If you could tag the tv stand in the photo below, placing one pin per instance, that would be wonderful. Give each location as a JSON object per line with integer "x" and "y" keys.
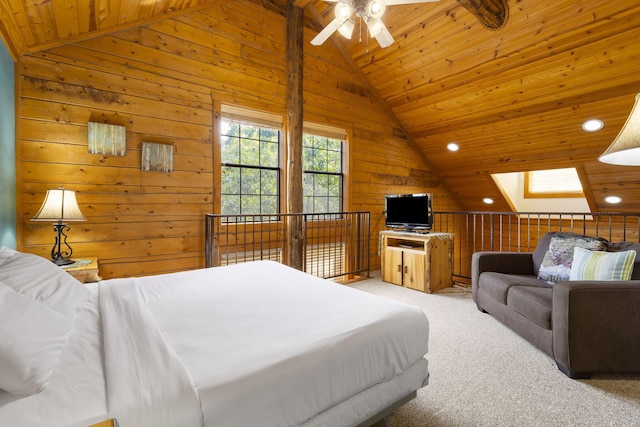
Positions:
{"x": 417, "y": 261}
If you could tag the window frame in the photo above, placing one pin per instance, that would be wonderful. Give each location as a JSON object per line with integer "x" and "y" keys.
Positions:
{"x": 339, "y": 135}
{"x": 261, "y": 120}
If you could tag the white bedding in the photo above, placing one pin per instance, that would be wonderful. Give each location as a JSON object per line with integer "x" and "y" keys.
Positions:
{"x": 243, "y": 345}
{"x": 75, "y": 395}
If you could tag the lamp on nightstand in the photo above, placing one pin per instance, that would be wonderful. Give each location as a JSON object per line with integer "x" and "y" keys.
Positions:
{"x": 60, "y": 206}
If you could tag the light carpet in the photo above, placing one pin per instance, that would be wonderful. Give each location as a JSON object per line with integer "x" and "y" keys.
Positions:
{"x": 483, "y": 374}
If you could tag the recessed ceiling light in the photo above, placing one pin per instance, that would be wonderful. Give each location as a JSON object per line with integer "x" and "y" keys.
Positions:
{"x": 613, "y": 199}
{"x": 488, "y": 200}
{"x": 592, "y": 125}
{"x": 452, "y": 146}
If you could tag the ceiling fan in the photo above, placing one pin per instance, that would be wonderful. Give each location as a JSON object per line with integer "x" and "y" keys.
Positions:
{"x": 369, "y": 11}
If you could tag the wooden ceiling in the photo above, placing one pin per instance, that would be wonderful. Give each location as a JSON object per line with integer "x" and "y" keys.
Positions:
{"x": 513, "y": 98}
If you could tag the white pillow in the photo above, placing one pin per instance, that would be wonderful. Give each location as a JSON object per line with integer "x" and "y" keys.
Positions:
{"x": 43, "y": 281}
{"x": 5, "y": 254}
{"x": 38, "y": 305}
{"x": 32, "y": 336}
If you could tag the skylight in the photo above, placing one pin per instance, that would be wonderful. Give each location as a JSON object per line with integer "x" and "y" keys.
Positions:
{"x": 552, "y": 191}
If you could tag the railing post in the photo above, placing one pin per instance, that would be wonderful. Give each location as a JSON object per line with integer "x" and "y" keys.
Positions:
{"x": 491, "y": 230}
{"x": 208, "y": 243}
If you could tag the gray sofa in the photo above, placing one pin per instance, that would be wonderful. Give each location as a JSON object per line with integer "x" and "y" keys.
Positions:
{"x": 586, "y": 326}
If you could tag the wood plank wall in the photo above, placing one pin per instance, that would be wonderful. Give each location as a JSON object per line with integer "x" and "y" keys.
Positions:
{"x": 161, "y": 81}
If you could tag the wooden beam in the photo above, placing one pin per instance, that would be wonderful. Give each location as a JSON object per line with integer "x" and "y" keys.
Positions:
{"x": 301, "y": 3}
{"x": 294, "y": 106}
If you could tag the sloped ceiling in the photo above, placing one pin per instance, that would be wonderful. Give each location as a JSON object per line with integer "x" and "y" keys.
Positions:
{"x": 514, "y": 98}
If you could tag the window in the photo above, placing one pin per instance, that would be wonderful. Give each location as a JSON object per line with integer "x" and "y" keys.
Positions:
{"x": 322, "y": 174}
{"x": 250, "y": 165}
{"x": 552, "y": 183}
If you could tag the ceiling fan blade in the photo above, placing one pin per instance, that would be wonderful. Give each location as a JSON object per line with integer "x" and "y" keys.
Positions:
{"x": 384, "y": 37}
{"x": 394, "y": 2}
{"x": 328, "y": 30}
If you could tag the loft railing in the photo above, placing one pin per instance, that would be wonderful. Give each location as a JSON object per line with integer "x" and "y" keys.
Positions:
{"x": 520, "y": 231}
{"x": 334, "y": 244}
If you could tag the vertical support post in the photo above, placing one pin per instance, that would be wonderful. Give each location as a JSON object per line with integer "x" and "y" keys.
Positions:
{"x": 294, "y": 100}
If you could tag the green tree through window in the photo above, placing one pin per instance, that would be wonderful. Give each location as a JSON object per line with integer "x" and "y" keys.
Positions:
{"x": 322, "y": 177}
{"x": 250, "y": 172}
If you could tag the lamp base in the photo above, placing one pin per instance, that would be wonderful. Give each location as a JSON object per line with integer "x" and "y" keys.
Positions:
{"x": 62, "y": 261}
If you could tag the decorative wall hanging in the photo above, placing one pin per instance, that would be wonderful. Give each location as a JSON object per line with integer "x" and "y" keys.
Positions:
{"x": 107, "y": 139}
{"x": 492, "y": 14}
{"x": 157, "y": 157}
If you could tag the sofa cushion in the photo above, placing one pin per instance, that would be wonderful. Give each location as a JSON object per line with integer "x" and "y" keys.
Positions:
{"x": 497, "y": 285}
{"x": 543, "y": 246}
{"x": 556, "y": 265}
{"x": 628, "y": 246}
{"x": 533, "y": 302}
{"x": 599, "y": 265}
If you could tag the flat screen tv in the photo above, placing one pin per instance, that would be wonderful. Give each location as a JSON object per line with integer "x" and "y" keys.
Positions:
{"x": 408, "y": 211}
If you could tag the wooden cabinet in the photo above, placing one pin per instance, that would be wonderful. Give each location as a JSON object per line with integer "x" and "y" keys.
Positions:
{"x": 417, "y": 261}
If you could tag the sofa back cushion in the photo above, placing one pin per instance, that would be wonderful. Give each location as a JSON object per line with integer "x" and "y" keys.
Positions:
{"x": 628, "y": 246}
{"x": 542, "y": 248}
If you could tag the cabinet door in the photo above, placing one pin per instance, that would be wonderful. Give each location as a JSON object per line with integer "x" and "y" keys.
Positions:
{"x": 414, "y": 271}
{"x": 392, "y": 268}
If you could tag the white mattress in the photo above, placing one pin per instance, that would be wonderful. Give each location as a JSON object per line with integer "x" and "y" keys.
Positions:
{"x": 259, "y": 344}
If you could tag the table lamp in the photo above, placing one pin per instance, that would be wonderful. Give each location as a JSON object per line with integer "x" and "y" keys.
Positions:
{"x": 60, "y": 206}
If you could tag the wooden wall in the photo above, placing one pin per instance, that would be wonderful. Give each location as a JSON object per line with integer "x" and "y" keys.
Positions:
{"x": 164, "y": 82}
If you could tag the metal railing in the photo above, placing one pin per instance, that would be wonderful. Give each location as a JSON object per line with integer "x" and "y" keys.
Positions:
{"x": 334, "y": 244}
{"x": 521, "y": 231}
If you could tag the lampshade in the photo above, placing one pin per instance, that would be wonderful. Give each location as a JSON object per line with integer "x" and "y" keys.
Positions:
{"x": 59, "y": 205}
{"x": 625, "y": 148}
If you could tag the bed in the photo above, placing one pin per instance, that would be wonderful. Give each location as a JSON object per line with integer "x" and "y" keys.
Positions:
{"x": 243, "y": 345}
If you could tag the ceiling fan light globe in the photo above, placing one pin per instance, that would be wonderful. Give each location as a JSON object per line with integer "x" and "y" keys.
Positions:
{"x": 343, "y": 10}
{"x": 375, "y": 8}
{"x": 375, "y": 26}
{"x": 346, "y": 29}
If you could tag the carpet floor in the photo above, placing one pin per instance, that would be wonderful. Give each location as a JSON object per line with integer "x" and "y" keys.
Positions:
{"x": 483, "y": 374}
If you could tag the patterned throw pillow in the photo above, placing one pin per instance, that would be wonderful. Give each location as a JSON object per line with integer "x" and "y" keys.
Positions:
{"x": 556, "y": 265}
{"x": 597, "y": 265}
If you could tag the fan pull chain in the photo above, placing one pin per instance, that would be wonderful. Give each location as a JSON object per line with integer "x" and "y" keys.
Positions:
{"x": 366, "y": 51}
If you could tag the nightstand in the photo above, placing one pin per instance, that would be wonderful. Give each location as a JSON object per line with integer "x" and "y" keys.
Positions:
{"x": 85, "y": 270}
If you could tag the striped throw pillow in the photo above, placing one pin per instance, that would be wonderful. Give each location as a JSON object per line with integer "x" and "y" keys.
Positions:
{"x": 598, "y": 265}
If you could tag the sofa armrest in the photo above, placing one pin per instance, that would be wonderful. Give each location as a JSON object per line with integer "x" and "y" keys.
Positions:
{"x": 596, "y": 327}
